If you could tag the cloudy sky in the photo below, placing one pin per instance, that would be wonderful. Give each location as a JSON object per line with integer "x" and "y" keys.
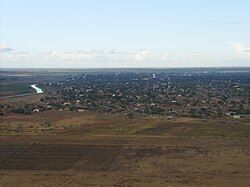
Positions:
{"x": 124, "y": 33}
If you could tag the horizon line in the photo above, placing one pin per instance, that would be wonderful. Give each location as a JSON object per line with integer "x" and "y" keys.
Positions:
{"x": 189, "y": 67}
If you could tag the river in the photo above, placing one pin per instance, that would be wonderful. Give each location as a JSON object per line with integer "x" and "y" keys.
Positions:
{"x": 38, "y": 90}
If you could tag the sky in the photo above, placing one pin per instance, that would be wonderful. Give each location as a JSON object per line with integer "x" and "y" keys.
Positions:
{"x": 124, "y": 33}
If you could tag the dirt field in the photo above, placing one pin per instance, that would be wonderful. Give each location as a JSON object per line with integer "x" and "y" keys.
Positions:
{"x": 60, "y": 148}
{"x": 58, "y": 157}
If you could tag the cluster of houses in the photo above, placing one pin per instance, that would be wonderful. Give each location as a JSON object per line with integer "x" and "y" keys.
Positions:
{"x": 198, "y": 95}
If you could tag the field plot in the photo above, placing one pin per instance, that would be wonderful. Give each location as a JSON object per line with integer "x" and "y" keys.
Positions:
{"x": 10, "y": 89}
{"x": 60, "y": 157}
{"x": 218, "y": 163}
{"x": 8, "y": 151}
{"x": 185, "y": 162}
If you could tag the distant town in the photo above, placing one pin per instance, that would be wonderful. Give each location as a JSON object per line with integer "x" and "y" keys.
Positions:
{"x": 198, "y": 94}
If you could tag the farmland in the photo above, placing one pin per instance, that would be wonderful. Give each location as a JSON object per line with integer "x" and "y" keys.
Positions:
{"x": 15, "y": 89}
{"x": 91, "y": 149}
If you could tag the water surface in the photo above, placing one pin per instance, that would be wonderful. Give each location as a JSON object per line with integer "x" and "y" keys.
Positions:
{"x": 38, "y": 90}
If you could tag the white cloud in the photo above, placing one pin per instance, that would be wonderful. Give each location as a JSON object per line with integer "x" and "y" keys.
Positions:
{"x": 144, "y": 56}
{"x": 80, "y": 56}
{"x": 15, "y": 57}
{"x": 193, "y": 55}
{"x": 95, "y": 55}
{"x": 5, "y": 48}
{"x": 241, "y": 51}
{"x": 50, "y": 52}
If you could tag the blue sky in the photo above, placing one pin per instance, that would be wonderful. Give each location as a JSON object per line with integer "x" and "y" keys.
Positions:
{"x": 124, "y": 33}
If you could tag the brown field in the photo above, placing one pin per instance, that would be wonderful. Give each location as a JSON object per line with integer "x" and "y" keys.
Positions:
{"x": 58, "y": 157}
{"x": 62, "y": 148}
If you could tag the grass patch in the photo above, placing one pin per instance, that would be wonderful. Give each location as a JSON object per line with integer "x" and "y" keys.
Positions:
{"x": 15, "y": 89}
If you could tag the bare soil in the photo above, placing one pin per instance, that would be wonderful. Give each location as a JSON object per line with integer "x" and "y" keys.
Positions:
{"x": 56, "y": 148}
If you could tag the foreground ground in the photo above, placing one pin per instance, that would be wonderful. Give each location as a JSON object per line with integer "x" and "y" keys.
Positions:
{"x": 61, "y": 148}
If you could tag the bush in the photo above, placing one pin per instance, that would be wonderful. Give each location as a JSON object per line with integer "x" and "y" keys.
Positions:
{"x": 18, "y": 110}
